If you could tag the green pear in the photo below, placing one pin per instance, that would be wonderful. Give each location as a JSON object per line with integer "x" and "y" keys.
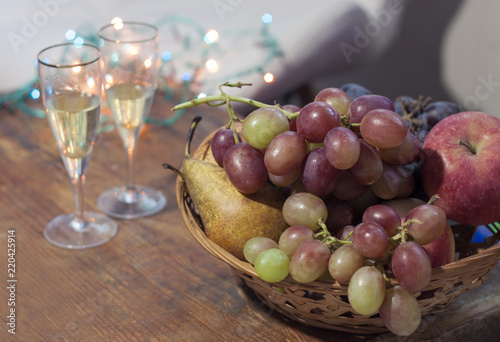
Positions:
{"x": 229, "y": 217}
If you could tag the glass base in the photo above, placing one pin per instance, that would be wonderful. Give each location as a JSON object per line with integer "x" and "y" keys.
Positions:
{"x": 127, "y": 203}
{"x": 64, "y": 231}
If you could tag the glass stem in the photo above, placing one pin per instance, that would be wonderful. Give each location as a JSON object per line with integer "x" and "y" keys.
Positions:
{"x": 80, "y": 220}
{"x": 130, "y": 176}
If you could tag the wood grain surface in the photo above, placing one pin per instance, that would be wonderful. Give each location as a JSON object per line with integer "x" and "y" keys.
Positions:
{"x": 152, "y": 282}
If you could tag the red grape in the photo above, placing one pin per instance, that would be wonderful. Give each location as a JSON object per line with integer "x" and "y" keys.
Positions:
{"x": 336, "y": 98}
{"x": 369, "y": 166}
{"x": 432, "y": 223}
{"x": 365, "y": 103}
{"x": 304, "y": 209}
{"x": 383, "y": 128}
{"x": 411, "y": 266}
{"x": 255, "y": 245}
{"x": 400, "y": 311}
{"x": 340, "y": 214}
{"x": 387, "y": 186}
{"x": 406, "y": 153}
{"x": 309, "y": 261}
{"x": 316, "y": 119}
{"x": 342, "y": 148}
{"x": 344, "y": 262}
{"x": 285, "y": 153}
{"x": 318, "y": 176}
{"x": 385, "y": 216}
{"x": 221, "y": 141}
{"x": 285, "y": 180}
{"x": 293, "y": 237}
{"x": 348, "y": 188}
{"x": 245, "y": 168}
{"x": 370, "y": 239}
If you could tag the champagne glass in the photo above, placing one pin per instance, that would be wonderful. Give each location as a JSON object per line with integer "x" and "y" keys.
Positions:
{"x": 71, "y": 88}
{"x": 130, "y": 65}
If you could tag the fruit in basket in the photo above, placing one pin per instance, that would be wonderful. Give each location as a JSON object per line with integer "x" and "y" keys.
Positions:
{"x": 272, "y": 265}
{"x": 400, "y": 311}
{"x": 230, "y": 218}
{"x": 255, "y": 246}
{"x": 411, "y": 266}
{"x": 262, "y": 125}
{"x": 461, "y": 163}
{"x": 442, "y": 250}
{"x": 374, "y": 241}
{"x": 366, "y": 290}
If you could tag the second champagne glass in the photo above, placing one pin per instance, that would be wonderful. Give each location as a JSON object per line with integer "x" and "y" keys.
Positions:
{"x": 130, "y": 56}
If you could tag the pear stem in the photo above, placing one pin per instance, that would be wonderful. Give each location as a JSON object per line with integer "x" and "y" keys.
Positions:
{"x": 194, "y": 123}
{"x": 170, "y": 167}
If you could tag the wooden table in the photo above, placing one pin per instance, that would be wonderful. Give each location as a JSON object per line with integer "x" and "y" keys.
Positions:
{"x": 152, "y": 282}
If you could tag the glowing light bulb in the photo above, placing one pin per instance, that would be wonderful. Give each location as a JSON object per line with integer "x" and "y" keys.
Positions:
{"x": 212, "y": 66}
{"x": 117, "y": 23}
{"x": 108, "y": 78}
{"x": 211, "y": 37}
{"x": 186, "y": 76}
{"x": 166, "y": 55}
{"x": 35, "y": 93}
{"x": 79, "y": 41}
{"x": 70, "y": 34}
{"x": 268, "y": 77}
{"x": 133, "y": 50}
{"x": 148, "y": 63}
{"x": 267, "y": 18}
{"x": 91, "y": 82}
{"x": 76, "y": 69}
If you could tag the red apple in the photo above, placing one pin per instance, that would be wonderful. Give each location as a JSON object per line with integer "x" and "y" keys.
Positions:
{"x": 460, "y": 162}
{"x": 442, "y": 250}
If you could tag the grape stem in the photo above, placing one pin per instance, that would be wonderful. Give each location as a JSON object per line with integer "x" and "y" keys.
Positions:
{"x": 224, "y": 98}
{"x": 327, "y": 238}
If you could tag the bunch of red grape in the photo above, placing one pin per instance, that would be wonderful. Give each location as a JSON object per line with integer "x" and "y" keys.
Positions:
{"x": 362, "y": 256}
{"x": 336, "y": 158}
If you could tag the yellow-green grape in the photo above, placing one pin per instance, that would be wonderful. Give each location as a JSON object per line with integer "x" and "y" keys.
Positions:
{"x": 272, "y": 265}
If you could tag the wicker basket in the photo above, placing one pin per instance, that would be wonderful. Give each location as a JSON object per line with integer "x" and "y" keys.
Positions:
{"x": 324, "y": 304}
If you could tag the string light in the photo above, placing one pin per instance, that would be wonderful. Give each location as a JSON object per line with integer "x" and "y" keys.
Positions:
{"x": 35, "y": 94}
{"x": 186, "y": 76}
{"x": 70, "y": 34}
{"x": 212, "y": 66}
{"x": 267, "y": 18}
{"x": 189, "y": 77}
{"x": 79, "y": 41}
{"x": 268, "y": 77}
{"x": 166, "y": 55}
{"x": 211, "y": 37}
{"x": 117, "y": 23}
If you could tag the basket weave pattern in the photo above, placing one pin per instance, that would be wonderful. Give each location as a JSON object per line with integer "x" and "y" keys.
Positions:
{"x": 324, "y": 303}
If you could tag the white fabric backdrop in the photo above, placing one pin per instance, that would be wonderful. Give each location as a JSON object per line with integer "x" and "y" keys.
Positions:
{"x": 315, "y": 36}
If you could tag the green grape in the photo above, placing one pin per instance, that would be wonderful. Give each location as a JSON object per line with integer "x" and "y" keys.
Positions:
{"x": 272, "y": 265}
{"x": 366, "y": 290}
{"x": 262, "y": 125}
{"x": 255, "y": 246}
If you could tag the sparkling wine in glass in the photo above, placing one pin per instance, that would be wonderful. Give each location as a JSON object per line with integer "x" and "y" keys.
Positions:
{"x": 130, "y": 68}
{"x": 71, "y": 86}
